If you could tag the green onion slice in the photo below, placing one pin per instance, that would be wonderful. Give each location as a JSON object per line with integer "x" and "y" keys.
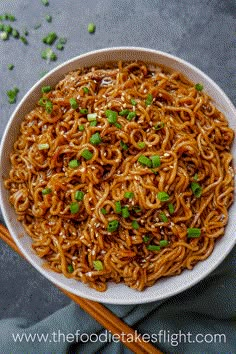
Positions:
{"x": 70, "y": 268}
{"x": 199, "y": 87}
{"x": 103, "y": 211}
{"x": 153, "y": 248}
{"x": 163, "y": 217}
{"x": 124, "y": 112}
{"x": 46, "y": 191}
{"x": 87, "y": 154}
{"x": 79, "y": 195}
{"x": 196, "y": 189}
{"x": 171, "y": 208}
{"x": 113, "y": 225}
{"x": 149, "y": 99}
{"x": 141, "y": 144}
{"x": 135, "y": 225}
{"x": 159, "y": 125}
{"x": 156, "y": 161}
{"x": 73, "y": 103}
{"x": 163, "y": 196}
{"x": 163, "y": 243}
{"x": 98, "y": 265}
{"x": 193, "y": 232}
{"x": 125, "y": 212}
{"x": 124, "y": 146}
{"x": 111, "y": 116}
{"x": 46, "y": 89}
{"x": 83, "y": 111}
{"x": 131, "y": 115}
{"x": 146, "y": 238}
{"x": 144, "y": 160}
{"x": 129, "y": 195}
{"x": 91, "y": 116}
{"x": 74, "y": 208}
{"x": 95, "y": 139}
{"x": 118, "y": 207}
{"x": 43, "y": 146}
{"x": 133, "y": 102}
{"x": 91, "y": 27}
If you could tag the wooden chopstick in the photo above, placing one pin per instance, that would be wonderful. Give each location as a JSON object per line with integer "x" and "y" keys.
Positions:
{"x": 100, "y": 313}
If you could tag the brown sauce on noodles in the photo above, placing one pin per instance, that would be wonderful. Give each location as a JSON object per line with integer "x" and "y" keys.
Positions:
{"x": 129, "y": 181}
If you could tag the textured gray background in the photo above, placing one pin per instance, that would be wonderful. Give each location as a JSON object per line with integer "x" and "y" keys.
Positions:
{"x": 201, "y": 32}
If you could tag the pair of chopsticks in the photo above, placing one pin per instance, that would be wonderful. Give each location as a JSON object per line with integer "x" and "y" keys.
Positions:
{"x": 100, "y": 313}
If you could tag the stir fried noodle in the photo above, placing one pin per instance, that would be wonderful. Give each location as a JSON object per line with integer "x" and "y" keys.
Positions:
{"x": 123, "y": 173}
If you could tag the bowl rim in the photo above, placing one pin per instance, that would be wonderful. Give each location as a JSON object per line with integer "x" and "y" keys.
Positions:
{"x": 50, "y": 275}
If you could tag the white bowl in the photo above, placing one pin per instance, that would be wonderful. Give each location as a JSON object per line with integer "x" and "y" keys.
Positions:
{"x": 116, "y": 293}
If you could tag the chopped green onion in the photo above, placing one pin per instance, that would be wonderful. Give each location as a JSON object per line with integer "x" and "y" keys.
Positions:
{"x": 83, "y": 111}
{"x": 37, "y": 26}
{"x": 91, "y": 116}
{"x": 4, "y": 36}
{"x": 81, "y": 127}
{"x": 159, "y": 125}
{"x": 95, "y": 139}
{"x": 43, "y": 101}
{"x": 111, "y": 116}
{"x": 48, "y": 18}
{"x": 131, "y": 115}
{"x": 85, "y": 89}
{"x": 144, "y": 160}
{"x": 153, "y": 248}
{"x": 74, "y": 208}
{"x": 26, "y": 33}
{"x": 15, "y": 33}
{"x": 43, "y": 146}
{"x": 46, "y": 89}
{"x": 171, "y": 208}
{"x": 125, "y": 212}
{"x": 193, "y": 232}
{"x": 10, "y": 66}
{"x": 156, "y": 161}
{"x": 163, "y": 196}
{"x": 129, "y": 195}
{"x": 125, "y": 112}
{"x": 146, "y": 238}
{"x": 60, "y": 46}
{"x": 163, "y": 217}
{"x": 118, "y": 207}
{"x": 49, "y": 107}
{"x": 163, "y": 243}
{"x": 196, "y": 189}
{"x": 23, "y": 40}
{"x": 70, "y": 268}
{"x": 87, "y": 154}
{"x": 118, "y": 125}
{"x": 137, "y": 209}
{"x": 73, "y": 103}
{"x": 91, "y": 27}
{"x": 9, "y": 17}
{"x": 199, "y": 87}
{"x": 1, "y": 26}
{"x": 62, "y": 40}
{"x": 113, "y": 225}
{"x": 149, "y": 99}
{"x": 123, "y": 145}
{"x": 79, "y": 195}
{"x": 12, "y": 95}
{"x": 74, "y": 163}
{"x": 50, "y": 38}
{"x": 141, "y": 144}
{"x": 45, "y": 2}
{"x": 195, "y": 177}
{"x": 46, "y": 191}
{"x": 103, "y": 211}
{"x": 7, "y": 28}
{"x": 133, "y": 102}
{"x": 93, "y": 123}
{"x": 98, "y": 265}
{"x": 135, "y": 225}
{"x": 48, "y": 54}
